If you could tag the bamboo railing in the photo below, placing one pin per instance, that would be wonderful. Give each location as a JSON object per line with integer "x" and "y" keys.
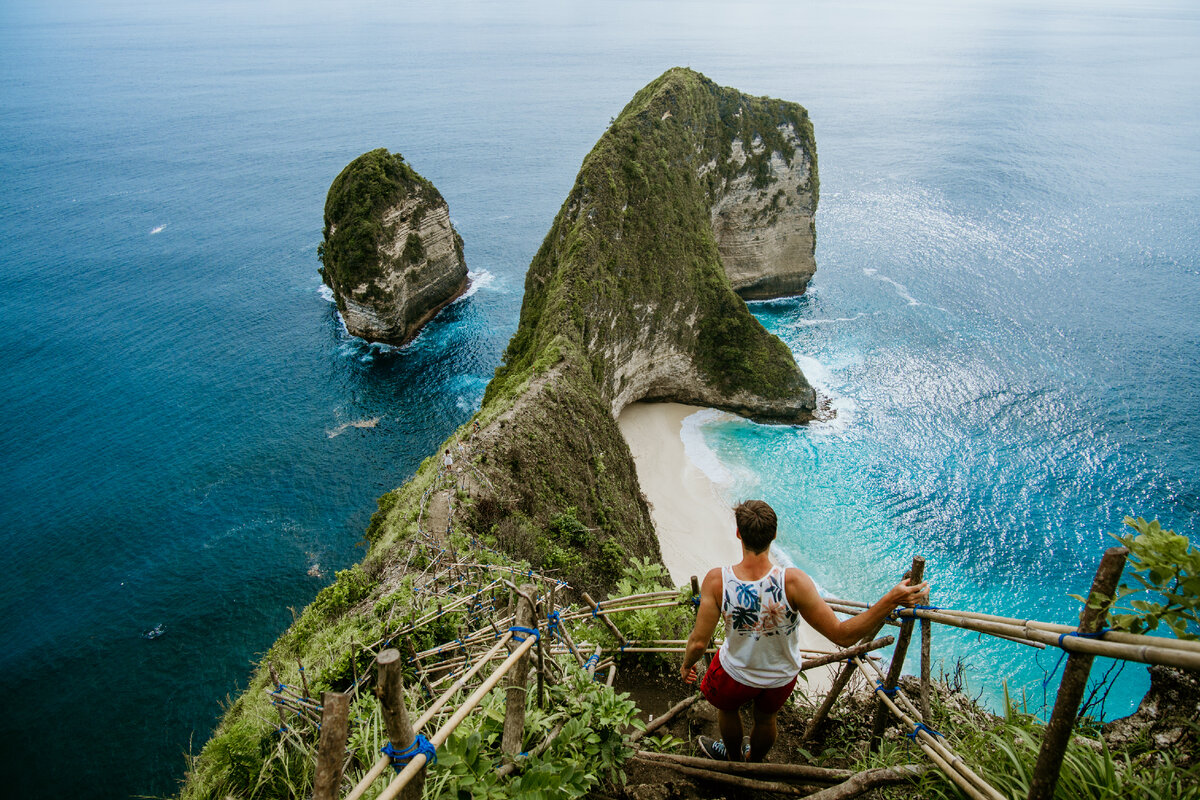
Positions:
{"x": 505, "y": 623}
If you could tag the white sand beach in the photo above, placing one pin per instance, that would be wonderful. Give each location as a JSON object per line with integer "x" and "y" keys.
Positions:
{"x": 695, "y": 526}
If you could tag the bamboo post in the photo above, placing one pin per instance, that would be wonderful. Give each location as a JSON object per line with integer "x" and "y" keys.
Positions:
{"x": 926, "y": 646}
{"x": 587, "y": 598}
{"x": 541, "y": 662}
{"x": 303, "y": 678}
{"x": 1075, "y": 675}
{"x": 514, "y": 714}
{"x": 849, "y": 652}
{"x": 278, "y": 703}
{"x": 439, "y": 738}
{"x": 839, "y": 683}
{"x": 390, "y": 691}
{"x": 412, "y": 656}
{"x": 594, "y": 663}
{"x": 566, "y": 635}
{"x": 893, "y": 675}
{"x": 331, "y": 753}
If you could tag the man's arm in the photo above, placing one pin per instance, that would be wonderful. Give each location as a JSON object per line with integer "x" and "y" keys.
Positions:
{"x": 804, "y": 598}
{"x": 706, "y": 622}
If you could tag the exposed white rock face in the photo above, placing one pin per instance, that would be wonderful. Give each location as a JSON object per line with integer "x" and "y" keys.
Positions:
{"x": 766, "y": 236}
{"x": 666, "y": 373}
{"x": 410, "y": 289}
{"x": 389, "y": 253}
{"x": 415, "y": 289}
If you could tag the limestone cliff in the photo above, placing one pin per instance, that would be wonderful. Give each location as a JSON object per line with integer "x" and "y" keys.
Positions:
{"x": 671, "y": 211}
{"x": 390, "y": 254}
{"x": 763, "y": 221}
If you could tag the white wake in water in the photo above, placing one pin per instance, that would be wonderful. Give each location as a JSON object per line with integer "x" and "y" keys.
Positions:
{"x": 476, "y": 281}
{"x": 697, "y": 450}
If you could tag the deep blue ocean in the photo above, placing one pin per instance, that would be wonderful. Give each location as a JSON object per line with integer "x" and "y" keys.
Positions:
{"x": 1006, "y": 311}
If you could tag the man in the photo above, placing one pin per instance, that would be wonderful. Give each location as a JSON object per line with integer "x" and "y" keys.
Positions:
{"x": 759, "y": 661}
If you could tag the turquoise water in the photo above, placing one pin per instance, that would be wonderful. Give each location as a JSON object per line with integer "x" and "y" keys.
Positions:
{"x": 1005, "y": 310}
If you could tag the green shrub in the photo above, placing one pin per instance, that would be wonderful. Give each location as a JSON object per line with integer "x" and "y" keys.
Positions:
{"x": 1166, "y": 571}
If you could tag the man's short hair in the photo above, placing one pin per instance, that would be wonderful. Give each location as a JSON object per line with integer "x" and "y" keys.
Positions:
{"x": 756, "y": 523}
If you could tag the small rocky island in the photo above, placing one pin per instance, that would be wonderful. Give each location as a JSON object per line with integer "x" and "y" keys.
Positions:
{"x": 390, "y": 253}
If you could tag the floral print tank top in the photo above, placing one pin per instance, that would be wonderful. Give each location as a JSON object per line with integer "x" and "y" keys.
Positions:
{"x": 760, "y": 648}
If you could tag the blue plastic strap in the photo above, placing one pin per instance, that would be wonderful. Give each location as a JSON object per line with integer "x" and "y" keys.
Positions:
{"x": 591, "y": 661}
{"x": 927, "y": 608}
{"x": 420, "y": 746}
{"x": 1063, "y": 655}
{"x": 879, "y": 687}
{"x": 696, "y": 601}
{"x": 534, "y": 632}
{"x": 921, "y": 726}
{"x": 596, "y": 611}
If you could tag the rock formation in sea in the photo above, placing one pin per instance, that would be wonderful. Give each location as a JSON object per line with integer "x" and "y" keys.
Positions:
{"x": 390, "y": 253}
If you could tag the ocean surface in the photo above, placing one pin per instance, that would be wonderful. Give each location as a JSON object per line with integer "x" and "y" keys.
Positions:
{"x": 1006, "y": 312}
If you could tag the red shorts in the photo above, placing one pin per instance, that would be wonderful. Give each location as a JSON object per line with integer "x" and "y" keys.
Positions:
{"x": 727, "y": 694}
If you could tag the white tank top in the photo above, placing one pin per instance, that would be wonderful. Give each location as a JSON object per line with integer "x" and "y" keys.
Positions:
{"x": 759, "y": 649}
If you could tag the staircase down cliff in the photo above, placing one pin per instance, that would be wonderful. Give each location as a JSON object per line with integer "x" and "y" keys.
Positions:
{"x": 390, "y": 254}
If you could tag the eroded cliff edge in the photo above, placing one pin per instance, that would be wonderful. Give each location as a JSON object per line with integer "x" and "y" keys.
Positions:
{"x": 390, "y": 253}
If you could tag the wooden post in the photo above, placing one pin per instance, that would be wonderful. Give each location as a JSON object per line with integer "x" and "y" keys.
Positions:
{"x": 412, "y": 654}
{"x": 595, "y": 663}
{"x": 303, "y": 678}
{"x": 541, "y": 662}
{"x": 1075, "y": 675}
{"x": 835, "y": 689}
{"x": 278, "y": 703}
{"x": 587, "y": 598}
{"x": 331, "y": 753}
{"x": 390, "y": 691}
{"x": 893, "y": 675}
{"x": 926, "y": 646}
{"x": 514, "y": 713}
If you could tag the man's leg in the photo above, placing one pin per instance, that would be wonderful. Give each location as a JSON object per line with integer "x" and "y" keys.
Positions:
{"x": 762, "y": 735}
{"x": 730, "y": 723}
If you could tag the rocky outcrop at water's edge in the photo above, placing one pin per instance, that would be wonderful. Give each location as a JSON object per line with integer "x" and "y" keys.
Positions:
{"x": 390, "y": 253}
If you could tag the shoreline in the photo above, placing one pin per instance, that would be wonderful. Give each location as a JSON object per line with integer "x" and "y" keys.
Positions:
{"x": 694, "y": 525}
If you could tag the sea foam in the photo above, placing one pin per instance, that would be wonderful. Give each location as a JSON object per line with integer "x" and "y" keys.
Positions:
{"x": 698, "y": 452}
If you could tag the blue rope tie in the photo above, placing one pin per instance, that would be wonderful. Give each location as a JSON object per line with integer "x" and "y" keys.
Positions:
{"x": 420, "y": 746}
{"x": 596, "y": 611}
{"x": 879, "y": 687}
{"x": 1063, "y": 655}
{"x": 591, "y": 662}
{"x": 927, "y": 608}
{"x": 552, "y": 620}
{"x": 696, "y": 601}
{"x": 921, "y": 726}
{"x": 534, "y": 632}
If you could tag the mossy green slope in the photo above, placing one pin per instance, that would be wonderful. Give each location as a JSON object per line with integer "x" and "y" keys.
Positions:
{"x": 631, "y": 264}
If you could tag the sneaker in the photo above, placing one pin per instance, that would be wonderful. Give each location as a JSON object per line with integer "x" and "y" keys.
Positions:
{"x": 715, "y": 749}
